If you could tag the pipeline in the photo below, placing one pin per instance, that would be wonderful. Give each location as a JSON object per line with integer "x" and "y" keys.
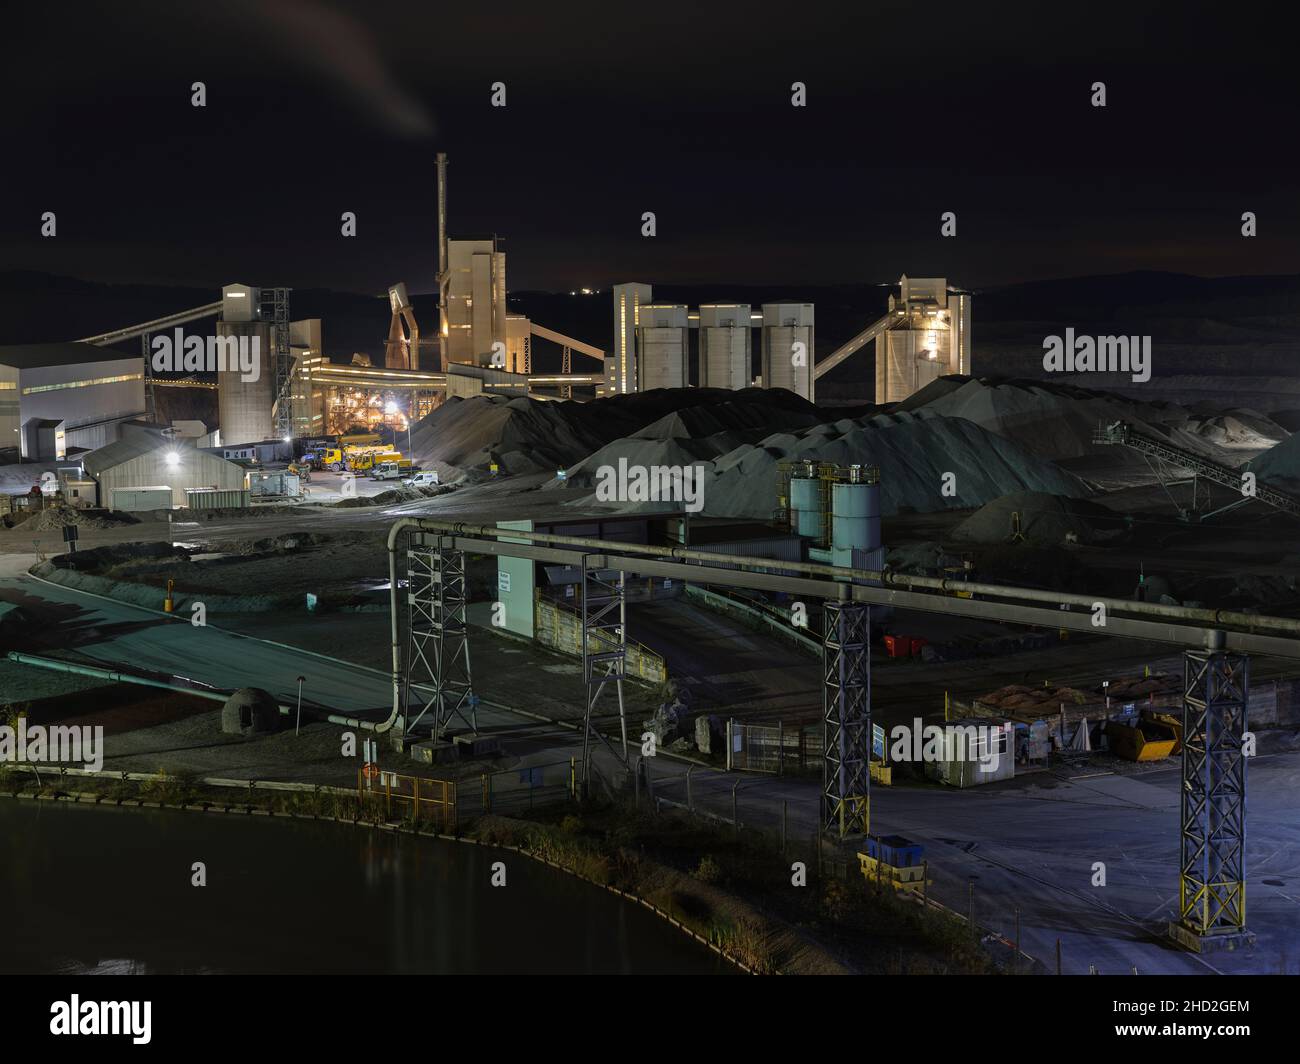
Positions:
{"x": 1214, "y": 618}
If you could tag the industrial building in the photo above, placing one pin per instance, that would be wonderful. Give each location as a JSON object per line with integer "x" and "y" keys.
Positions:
{"x": 143, "y": 471}
{"x": 923, "y": 335}
{"x": 54, "y": 397}
{"x": 620, "y": 368}
{"x": 652, "y": 344}
{"x": 476, "y": 301}
{"x": 927, "y": 339}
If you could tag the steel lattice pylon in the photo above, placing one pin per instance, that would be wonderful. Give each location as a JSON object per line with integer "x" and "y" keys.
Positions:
{"x": 604, "y": 650}
{"x": 846, "y": 702}
{"x": 1212, "y": 886}
{"x": 436, "y": 665}
{"x": 274, "y": 310}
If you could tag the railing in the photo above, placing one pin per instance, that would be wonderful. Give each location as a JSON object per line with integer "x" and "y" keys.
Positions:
{"x": 412, "y": 797}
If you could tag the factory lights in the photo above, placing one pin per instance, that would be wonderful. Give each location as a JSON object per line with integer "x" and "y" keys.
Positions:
{"x": 173, "y": 459}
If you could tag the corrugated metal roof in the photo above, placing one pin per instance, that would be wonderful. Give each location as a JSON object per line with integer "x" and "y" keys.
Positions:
{"x": 130, "y": 446}
{"x": 35, "y": 356}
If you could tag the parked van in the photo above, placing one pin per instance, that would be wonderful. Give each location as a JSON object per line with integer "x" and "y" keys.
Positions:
{"x": 424, "y": 479}
{"x": 391, "y": 470}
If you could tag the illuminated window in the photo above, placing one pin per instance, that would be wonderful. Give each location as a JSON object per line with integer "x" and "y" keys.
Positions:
{"x": 83, "y": 384}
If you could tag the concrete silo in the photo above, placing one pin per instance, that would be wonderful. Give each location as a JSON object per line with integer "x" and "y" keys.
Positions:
{"x": 244, "y": 400}
{"x": 725, "y": 345}
{"x": 663, "y": 346}
{"x": 787, "y": 349}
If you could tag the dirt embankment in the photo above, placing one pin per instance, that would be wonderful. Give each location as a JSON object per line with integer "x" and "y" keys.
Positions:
{"x": 342, "y": 570}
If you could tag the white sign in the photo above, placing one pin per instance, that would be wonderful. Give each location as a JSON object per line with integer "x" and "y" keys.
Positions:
{"x": 503, "y": 580}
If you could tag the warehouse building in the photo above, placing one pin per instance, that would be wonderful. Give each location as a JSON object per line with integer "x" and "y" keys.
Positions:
{"x": 54, "y": 397}
{"x": 143, "y": 471}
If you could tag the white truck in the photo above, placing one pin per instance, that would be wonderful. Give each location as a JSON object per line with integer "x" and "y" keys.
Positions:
{"x": 426, "y": 478}
{"x": 390, "y": 471}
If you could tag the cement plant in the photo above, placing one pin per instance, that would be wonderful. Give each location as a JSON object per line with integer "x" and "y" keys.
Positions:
{"x": 908, "y": 623}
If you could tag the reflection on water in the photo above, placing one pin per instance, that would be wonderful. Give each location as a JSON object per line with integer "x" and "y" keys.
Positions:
{"x": 107, "y": 890}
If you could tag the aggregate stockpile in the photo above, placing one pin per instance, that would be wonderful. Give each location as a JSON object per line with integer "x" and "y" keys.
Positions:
{"x": 1280, "y": 465}
{"x": 1058, "y": 421}
{"x": 1045, "y": 521}
{"x": 464, "y": 437}
{"x": 913, "y": 451}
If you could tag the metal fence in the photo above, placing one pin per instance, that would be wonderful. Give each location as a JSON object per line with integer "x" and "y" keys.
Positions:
{"x": 409, "y": 797}
{"x": 774, "y": 748}
{"x": 520, "y": 789}
{"x": 763, "y": 823}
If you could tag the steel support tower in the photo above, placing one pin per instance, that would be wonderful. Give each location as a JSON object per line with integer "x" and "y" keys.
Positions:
{"x": 274, "y": 310}
{"x": 436, "y": 664}
{"x": 1212, "y": 881}
{"x": 846, "y": 704}
{"x": 150, "y": 400}
{"x": 604, "y": 651}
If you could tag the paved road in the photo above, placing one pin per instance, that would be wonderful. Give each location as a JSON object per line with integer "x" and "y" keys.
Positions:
{"x": 1032, "y": 844}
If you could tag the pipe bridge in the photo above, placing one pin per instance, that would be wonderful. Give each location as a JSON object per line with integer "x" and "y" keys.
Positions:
{"x": 431, "y": 673}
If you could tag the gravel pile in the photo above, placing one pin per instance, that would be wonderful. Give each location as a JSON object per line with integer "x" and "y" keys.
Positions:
{"x": 1058, "y": 420}
{"x": 1280, "y": 465}
{"x": 62, "y": 516}
{"x": 1045, "y": 521}
{"x": 463, "y": 437}
{"x": 915, "y": 453}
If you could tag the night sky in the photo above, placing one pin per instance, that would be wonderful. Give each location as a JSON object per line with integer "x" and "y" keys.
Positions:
{"x": 913, "y": 109}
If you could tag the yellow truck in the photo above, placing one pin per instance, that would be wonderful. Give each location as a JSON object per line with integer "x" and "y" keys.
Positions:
{"x": 331, "y": 458}
{"x": 362, "y": 461}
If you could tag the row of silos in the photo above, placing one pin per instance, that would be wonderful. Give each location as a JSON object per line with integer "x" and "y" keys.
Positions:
{"x": 661, "y": 355}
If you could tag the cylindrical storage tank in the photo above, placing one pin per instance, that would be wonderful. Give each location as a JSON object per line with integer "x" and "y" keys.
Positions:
{"x": 855, "y": 515}
{"x": 662, "y": 347}
{"x": 805, "y": 506}
{"x": 724, "y": 345}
